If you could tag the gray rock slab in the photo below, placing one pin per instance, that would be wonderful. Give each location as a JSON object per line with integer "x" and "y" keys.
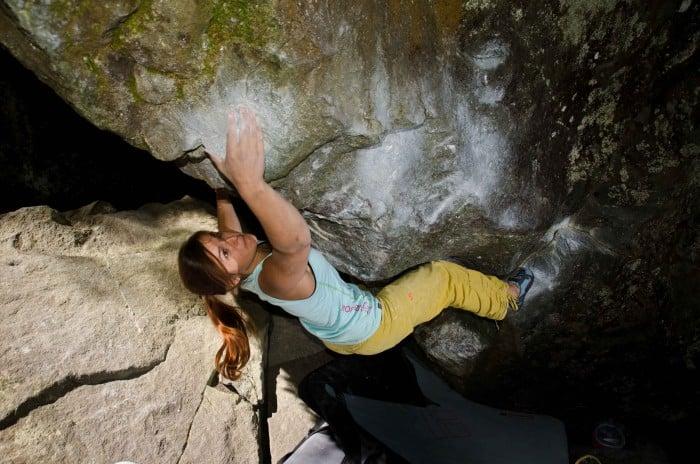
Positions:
{"x": 293, "y": 354}
{"x": 223, "y": 431}
{"x": 455, "y": 340}
{"x": 65, "y": 318}
{"x": 370, "y": 104}
{"x": 76, "y": 289}
{"x": 143, "y": 420}
{"x": 105, "y": 355}
{"x": 87, "y": 297}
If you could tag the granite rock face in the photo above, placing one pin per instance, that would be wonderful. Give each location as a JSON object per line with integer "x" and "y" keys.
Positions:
{"x": 106, "y": 357}
{"x": 477, "y": 115}
{"x": 557, "y": 133}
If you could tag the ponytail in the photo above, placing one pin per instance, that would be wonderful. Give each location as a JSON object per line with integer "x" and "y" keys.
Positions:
{"x": 202, "y": 275}
{"x": 233, "y": 327}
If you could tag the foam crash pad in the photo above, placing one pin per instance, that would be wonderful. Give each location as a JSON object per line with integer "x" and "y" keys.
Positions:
{"x": 456, "y": 430}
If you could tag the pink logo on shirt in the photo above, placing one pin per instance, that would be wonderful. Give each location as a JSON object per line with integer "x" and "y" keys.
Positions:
{"x": 363, "y": 307}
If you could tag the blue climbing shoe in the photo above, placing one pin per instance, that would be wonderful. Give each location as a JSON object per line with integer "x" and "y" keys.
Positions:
{"x": 523, "y": 278}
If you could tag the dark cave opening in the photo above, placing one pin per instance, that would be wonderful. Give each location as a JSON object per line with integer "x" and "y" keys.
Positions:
{"x": 50, "y": 155}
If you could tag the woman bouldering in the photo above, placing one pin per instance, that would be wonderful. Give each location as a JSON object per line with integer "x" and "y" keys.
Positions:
{"x": 288, "y": 272}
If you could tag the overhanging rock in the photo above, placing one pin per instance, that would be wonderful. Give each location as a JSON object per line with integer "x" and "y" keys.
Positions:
{"x": 410, "y": 131}
{"x": 440, "y": 123}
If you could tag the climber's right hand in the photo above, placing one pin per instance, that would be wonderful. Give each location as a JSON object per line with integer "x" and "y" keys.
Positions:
{"x": 244, "y": 163}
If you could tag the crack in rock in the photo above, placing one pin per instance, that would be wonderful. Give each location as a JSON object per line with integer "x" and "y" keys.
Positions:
{"x": 113, "y": 28}
{"x": 264, "y": 445}
{"x": 59, "y": 389}
{"x": 194, "y": 417}
{"x": 118, "y": 284}
{"x": 325, "y": 143}
{"x": 195, "y": 154}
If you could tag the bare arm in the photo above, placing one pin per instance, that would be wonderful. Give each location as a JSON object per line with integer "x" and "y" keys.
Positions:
{"x": 228, "y": 220}
{"x": 283, "y": 225}
{"x": 289, "y": 235}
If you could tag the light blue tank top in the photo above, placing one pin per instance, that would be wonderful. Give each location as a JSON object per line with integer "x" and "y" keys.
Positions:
{"x": 337, "y": 312}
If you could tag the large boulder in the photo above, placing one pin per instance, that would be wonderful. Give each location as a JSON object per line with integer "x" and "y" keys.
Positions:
{"x": 425, "y": 128}
{"x": 106, "y": 356}
{"x": 557, "y": 133}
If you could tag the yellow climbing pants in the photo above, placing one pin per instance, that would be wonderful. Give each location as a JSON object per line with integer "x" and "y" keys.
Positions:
{"x": 422, "y": 294}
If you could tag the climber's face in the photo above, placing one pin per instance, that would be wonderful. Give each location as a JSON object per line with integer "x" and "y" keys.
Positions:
{"x": 234, "y": 252}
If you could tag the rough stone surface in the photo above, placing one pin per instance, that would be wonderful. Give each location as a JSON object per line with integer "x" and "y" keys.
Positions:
{"x": 561, "y": 133}
{"x": 293, "y": 354}
{"x": 457, "y": 340}
{"x": 479, "y": 115}
{"x": 106, "y": 357}
{"x": 145, "y": 419}
{"x": 223, "y": 431}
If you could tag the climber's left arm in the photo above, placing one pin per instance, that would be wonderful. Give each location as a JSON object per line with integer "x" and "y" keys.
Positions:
{"x": 228, "y": 220}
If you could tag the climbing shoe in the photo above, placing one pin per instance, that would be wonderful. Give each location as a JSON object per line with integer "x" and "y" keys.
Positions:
{"x": 523, "y": 278}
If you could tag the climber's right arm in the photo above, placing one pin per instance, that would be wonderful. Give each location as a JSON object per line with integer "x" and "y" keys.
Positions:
{"x": 285, "y": 228}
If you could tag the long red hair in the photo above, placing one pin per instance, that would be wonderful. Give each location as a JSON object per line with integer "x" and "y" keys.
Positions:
{"x": 201, "y": 274}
